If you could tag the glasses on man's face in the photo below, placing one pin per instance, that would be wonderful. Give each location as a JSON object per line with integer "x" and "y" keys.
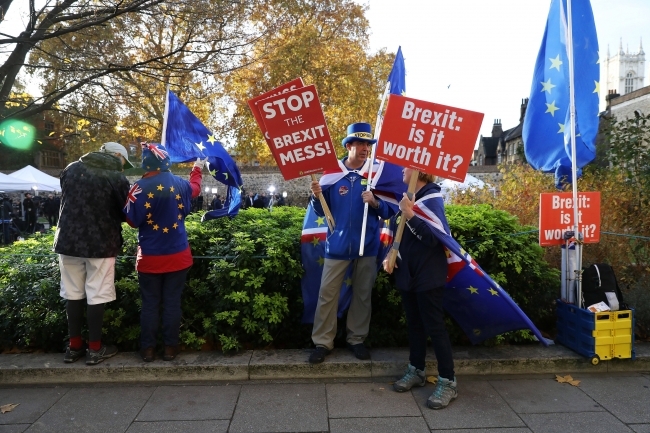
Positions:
{"x": 363, "y": 143}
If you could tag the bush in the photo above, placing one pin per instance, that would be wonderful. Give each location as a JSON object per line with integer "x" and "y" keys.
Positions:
{"x": 243, "y": 290}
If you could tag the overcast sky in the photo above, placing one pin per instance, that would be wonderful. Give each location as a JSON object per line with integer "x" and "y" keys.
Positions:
{"x": 480, "y": 54}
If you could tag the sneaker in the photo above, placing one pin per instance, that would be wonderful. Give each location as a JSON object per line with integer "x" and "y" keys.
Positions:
{"x": 445, "y": 392}
{"x": 73, "y": 355}
{"x": 412, "y": 377}
{"x": 359, "y": 351}
{"x": 94, "y": 357}
{"x": 318, "y": 355}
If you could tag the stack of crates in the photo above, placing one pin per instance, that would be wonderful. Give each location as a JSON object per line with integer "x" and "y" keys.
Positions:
{"x": 598, "y": 336}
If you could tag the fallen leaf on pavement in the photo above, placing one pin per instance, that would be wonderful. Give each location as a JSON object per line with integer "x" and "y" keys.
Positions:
{"x": 575, "y": 382}
{"x": 8, "y": 407}
{"x": 567, "y": 379}
{"x": 432, "y": 379}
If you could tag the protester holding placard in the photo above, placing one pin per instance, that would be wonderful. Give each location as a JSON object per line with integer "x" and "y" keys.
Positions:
{"x": 345, "y": 194}
{"x": 420, "y": 274}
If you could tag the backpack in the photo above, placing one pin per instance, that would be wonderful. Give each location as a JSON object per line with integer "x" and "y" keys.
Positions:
{"x": 599, "y": 285}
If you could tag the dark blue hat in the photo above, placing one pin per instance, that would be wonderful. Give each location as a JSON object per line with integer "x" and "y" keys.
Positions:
{"x": 155, "y": 157}
{"x": 359, "y": 132}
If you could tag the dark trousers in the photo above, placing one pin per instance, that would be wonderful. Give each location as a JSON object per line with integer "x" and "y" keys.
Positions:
{"x": 154, "y": 288}
{"x": 425, "y": 317}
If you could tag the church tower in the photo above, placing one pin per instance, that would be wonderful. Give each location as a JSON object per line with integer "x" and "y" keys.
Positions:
{"x": 624, "y": 72}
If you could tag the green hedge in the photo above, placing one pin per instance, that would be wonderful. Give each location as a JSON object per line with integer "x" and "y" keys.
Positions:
{"x": 249, "y": 296}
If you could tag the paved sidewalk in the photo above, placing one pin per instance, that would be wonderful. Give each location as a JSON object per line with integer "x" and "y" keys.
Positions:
{"x": 608, "y": 403}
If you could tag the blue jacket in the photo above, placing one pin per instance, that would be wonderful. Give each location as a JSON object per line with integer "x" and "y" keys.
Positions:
{"x": 345, "y": 203}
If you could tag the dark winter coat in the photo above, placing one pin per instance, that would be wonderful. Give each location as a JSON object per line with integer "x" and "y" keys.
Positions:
{"x": 94, "y": 191}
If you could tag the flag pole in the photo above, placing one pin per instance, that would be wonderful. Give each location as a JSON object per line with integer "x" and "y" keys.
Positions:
{"x": 574, "y": 174}
{"x": 371, "y": 161}
{"x": 165, "y": 116}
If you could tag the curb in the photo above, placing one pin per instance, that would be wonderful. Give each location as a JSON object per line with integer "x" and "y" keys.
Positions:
{"x": 48, "y": 368}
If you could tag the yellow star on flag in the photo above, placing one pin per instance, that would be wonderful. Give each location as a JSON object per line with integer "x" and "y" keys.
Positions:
{"x": 211, "y": 139}
{"x": 226, "y": 175}
{"x": 150, "y": 222}
{"x": 171, "y": 188}
{"x": 155, "y": 227}
{"x": 150, "y": 195}
{"x": 386, "y": 242}
{"x": 494, "y": 292}
{"x": 149, "y": 215}
{"x": 315, "y": 241}
{"x": 180, "y": 217}
{"x": 200, "y": 146}
{"x": 597, "y": 89}
{"x": 160, "y": 187}
{"x": 348, "y": 282}
{"x": 213, "y": 172}
{"x": 320, "y": 261}
{"x": 178, "y": 196}
{"x": 556, "y": 62}
{"x": 165, "y": 230}
{"x": 320, "y": 221}
{"x": 180, "y": 205}
{"x": 175, "y": 225}
{"x": 473, "y": 290}
{"x": 547, "y": 86}
{"x": 561, "y": 131}
{"x": 147, "y": 205}
{"x": 551, "y": 108}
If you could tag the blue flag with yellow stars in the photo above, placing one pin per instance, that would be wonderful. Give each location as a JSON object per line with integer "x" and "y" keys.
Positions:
{"x": 186, "y": 139}
{"x": 547, "y": 124}
{"x": 478, "y": 304}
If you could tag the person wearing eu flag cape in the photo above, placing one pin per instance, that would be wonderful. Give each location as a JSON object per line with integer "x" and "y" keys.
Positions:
{"x": 420, "y": 275}
{"x": 157, "y": 206}
{"x": 346, "y": 197}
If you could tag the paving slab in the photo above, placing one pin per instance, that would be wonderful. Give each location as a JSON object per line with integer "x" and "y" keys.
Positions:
{"x": 14, "y": 428}
{"x": 283, "y": 364}
{"x": 186, "y": 403}
{"x": 486, "y": 430}
{"x": 379, "y": 425}
{"x": 468, "y": 411}
{"x": 281, "y": 408}
{"x": 212, "y": 426}
{"x": 627, "y": 398}
{"x": 592, "y": 422}
{"x": 368, "y": 400}
{"x": 549, "y": 396}
{"x": 32, "y": 403}
{"x": 96, "y": 409}
{"x": 640, "y": 428}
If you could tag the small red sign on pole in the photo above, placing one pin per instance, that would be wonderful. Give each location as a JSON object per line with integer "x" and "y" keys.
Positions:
{"x": 428, "y": 137}
{"x": 252, "y": 103}
{"x": 556, "y": 217}
{"x": 297, "y": 133}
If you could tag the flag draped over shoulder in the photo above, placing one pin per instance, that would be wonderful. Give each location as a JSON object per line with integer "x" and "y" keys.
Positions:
{"x": 478, "y": 304}
{"x": 547, "y": 125}
{"x": 186, "y": 139}
{"x": 386, "y": 183}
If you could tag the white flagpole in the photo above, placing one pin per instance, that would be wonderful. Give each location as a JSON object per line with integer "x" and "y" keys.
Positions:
{"x": 574, "y": 174}
{"x": 164, "y": 128}
{"x": 371, "y": 161}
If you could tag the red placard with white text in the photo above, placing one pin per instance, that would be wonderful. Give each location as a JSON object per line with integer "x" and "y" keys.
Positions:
{"x": 252, "y": 103}
{"x": 556, "y": 217}
{"x": 433, "y": 138}
{"x": 297, "y": 133}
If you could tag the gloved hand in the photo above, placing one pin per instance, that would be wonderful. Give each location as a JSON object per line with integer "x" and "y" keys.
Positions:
{"x": 200, "y": 163}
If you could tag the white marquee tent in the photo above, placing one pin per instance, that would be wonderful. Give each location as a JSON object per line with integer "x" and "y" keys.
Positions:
{"x": 39, "y": 181}
{"x": 8, "y": 183}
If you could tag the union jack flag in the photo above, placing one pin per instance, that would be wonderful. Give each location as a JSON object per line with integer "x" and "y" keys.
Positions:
{"x": 131, "y": 198}
{"x": 160, "y": 153}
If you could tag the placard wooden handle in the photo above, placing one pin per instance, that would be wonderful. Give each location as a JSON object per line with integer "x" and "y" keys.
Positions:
{"x": 328, "y": 215}
{"x": 392, "y": 256}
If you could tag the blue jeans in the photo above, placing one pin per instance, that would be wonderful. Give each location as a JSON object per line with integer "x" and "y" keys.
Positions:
{"x": 425, "y": 317}
{"x": 154, "y": 288}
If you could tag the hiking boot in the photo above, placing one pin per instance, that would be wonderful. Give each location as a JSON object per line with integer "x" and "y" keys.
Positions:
{"x": 170, "y": 353}
{"x": 94, "y": 357}
{"x": 73, "y": 355}
{"x": 444, "y": 393}
{"x": 318, "y": 355}
{"x": 412, "y": 377}
{"x": 359, "y": 351}
{"x": 147, "y": 354}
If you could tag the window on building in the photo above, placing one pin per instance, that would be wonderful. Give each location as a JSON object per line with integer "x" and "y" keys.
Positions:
{"x": 49, "y": 127}
{"x": 50, "y": 158}
{"x": 629, "y": 82}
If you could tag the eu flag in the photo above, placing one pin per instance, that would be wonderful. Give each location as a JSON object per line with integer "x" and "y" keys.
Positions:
{"x": 186, "y": 139}
{"x": 547, "y": 126}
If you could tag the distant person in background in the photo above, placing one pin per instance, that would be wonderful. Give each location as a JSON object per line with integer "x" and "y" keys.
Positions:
{"x": 248, "y": 201}
{"x": 157, "y": 206}
{"x": 6, "y": 213}
{"x": 30, "y": 212}
{"x": 87, "y": 239}
{"x": 50, "y": 210}
{"x": 279, "y": 200}
{"x": 217, "y": 203}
